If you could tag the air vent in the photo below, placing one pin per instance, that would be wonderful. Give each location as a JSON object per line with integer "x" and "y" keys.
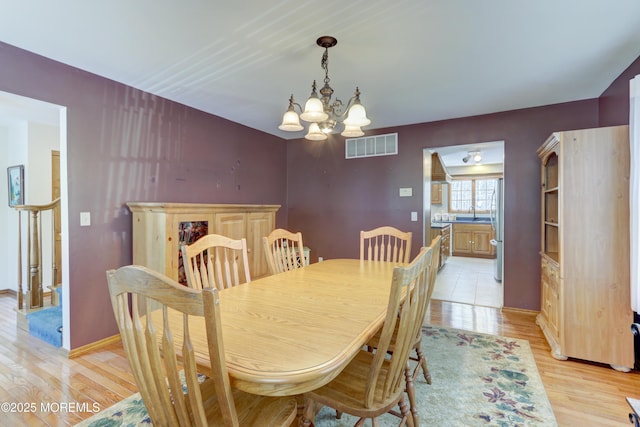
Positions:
{"x": 370, "y": 146}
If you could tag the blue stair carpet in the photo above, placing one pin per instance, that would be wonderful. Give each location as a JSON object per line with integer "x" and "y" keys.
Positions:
{"x": 46, "y": 324}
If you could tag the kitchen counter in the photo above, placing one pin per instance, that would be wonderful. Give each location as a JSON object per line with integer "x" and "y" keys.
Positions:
{"x": 440, "y": 224}
{"x": 463, "y": 220}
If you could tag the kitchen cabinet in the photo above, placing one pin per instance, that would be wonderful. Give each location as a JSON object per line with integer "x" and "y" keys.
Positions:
{"x": 473, "y": 240}
{"x": 160, "y": 228}
{"x": 436, "y": 194}
{"x": 585, "y": 308}
{"x": 438, "y": 171}
{"x": 443, "y": 230}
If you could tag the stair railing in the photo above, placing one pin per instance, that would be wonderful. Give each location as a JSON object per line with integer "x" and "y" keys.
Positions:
{"x": 32, "y": 297}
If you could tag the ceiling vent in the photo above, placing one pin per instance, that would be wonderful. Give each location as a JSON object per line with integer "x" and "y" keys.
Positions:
{"x": 371, "y": 146}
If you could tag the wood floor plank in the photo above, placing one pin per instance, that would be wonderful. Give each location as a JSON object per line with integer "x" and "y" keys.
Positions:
{"x": 581, "y": 393}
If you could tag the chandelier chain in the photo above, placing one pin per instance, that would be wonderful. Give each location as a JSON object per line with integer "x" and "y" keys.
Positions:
{"x": 325, "y": 65}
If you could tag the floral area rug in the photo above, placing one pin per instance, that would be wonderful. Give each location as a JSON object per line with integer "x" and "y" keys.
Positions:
{"x": 477, "y": 380}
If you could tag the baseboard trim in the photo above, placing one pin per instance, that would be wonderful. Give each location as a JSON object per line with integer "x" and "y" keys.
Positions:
{"x": 519, "y": 311}
{"x": 70, "y": 354}
{"x": 8, "y": 292}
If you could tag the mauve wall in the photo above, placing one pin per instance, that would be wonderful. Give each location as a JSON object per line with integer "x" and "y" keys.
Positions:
{"x": 125, "y": 145}
{"x": 614, "y": 102}
{"x": 331, "y": 199}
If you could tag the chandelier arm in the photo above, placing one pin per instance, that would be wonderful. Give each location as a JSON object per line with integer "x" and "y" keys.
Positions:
{"x": 341, "y": 113}
{"x": 336, "y": 108}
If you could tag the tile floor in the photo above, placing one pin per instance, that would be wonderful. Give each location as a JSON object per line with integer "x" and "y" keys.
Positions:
{"x": 469, "y": 281}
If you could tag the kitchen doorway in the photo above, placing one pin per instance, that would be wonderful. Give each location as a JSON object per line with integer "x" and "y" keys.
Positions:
{"x": 465, "y": 205}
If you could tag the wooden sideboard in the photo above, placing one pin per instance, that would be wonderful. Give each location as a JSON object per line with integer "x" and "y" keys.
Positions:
{"x": 160, "y": 228}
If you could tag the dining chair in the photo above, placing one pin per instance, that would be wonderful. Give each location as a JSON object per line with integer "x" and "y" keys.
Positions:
{"x": 436, "y": 247}
{"x": 373, "y": 383}
{"x": 284, "y": 250}
{"x": 171, "y": 388}
{"x": 385, "y": 244}
{"x": 421, "y": 360}
{"x": 216, "y": 261}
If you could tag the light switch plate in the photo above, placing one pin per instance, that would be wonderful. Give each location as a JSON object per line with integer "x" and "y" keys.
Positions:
{"x": 406, "y": 192}
{"x": 414, "y": 216}
{"x": 85, "y": 219}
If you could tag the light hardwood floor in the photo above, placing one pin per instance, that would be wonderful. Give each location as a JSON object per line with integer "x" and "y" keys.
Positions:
{"x": 32, "y": 372}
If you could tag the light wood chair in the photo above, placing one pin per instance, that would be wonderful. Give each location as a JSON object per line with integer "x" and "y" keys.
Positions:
{"x": 284, "y": 250}
{"x": 385, "y": 244}
{"x": 171, "y": 389}
{"x": 373, "y": 383}
{"x": 216, "y": 261}
{"x": 419, "y": 357}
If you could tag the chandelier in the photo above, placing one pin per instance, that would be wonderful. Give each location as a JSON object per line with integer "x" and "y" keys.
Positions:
{"x": 321, "y": 112}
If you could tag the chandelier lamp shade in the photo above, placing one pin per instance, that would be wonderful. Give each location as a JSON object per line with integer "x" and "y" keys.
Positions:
{"x": 321, "y": 112}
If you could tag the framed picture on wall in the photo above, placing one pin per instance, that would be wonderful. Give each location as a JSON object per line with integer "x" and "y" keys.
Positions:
{"x": 15, "y": 180}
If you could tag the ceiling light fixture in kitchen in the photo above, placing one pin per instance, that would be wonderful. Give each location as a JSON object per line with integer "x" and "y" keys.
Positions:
{"x": 475, "y": 155}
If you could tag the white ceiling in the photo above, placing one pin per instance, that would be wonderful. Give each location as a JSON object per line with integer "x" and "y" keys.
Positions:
{"x": 492, "y": 153}
{"x": 414, "y": 60}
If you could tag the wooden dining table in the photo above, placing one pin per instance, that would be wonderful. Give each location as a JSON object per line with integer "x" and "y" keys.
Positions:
{"x": 295, "y": 331}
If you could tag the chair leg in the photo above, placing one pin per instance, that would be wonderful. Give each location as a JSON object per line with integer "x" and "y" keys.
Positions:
{"x": 406, "y": 414}
{"x": 411, "y": 392}
{"x": 422, "y": 360}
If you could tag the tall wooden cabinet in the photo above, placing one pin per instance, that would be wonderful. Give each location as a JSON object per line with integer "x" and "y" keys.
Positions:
{"x": 585, "y": 297}
{"x": 160, "y": 228}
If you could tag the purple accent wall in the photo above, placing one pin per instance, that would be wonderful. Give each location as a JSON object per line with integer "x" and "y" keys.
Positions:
{"x": 126, "y": 145}
{"x": 614, "y": 102}
{"x": 331, "y": 199}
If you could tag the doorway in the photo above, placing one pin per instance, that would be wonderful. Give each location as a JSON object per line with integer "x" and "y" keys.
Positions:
{"x": 462, "y": 200}
{"x": 33, "y": 134}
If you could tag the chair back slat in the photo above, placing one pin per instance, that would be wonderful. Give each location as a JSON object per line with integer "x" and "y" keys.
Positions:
{"x": 284, "y": 250}
{"x": 436, "y": 246}
{"x": 216, "y": 261}
{"x": 409, "y": 288}
{"x": 385, "y": 244}
{"x": 170, "y": 386}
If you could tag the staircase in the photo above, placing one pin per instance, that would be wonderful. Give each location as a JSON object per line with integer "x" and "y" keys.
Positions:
{"x": 41, "y": 318}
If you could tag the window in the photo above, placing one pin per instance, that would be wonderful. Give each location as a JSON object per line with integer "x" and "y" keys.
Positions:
{"x": 473, "y": 195}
